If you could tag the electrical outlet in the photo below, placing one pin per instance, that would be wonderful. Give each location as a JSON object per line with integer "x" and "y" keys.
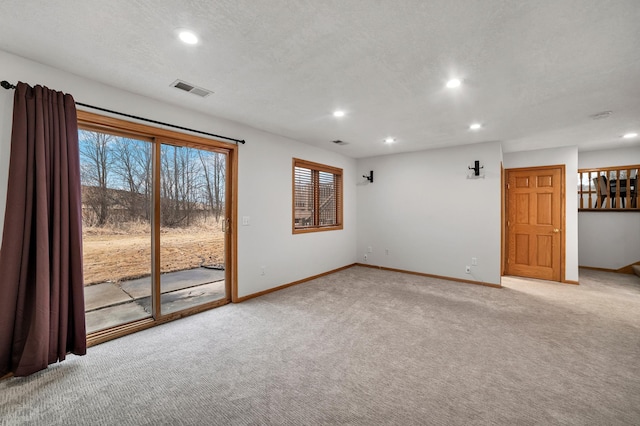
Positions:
{"x": 263, "y": 270}
{"x": 365, "y": 257}
{"x": 474, "y": 261}
{"x": 386, "y": 251}
{"x": 467, "y": 269}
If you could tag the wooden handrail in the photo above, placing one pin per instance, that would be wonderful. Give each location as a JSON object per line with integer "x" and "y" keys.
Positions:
{"x": 608, "y": 189}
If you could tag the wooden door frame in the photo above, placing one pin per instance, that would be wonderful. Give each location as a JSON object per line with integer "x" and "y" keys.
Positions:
{"x": 503, "y": 222}
{"x": 563, "y": 215}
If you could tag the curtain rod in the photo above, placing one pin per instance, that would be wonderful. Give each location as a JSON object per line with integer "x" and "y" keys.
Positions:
{"x": 5, "y": 84}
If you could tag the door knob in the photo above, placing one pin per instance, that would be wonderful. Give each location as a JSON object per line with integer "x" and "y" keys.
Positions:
{"x": 556, "y": 230}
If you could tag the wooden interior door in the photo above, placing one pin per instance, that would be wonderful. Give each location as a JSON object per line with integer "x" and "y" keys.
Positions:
{"x": 535, "y": 215}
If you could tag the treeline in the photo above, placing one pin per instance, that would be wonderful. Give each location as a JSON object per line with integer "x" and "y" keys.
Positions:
{"x": 117, "y": 181}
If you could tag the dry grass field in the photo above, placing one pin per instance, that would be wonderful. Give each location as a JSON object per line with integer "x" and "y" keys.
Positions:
{"x": 117, "y": 254}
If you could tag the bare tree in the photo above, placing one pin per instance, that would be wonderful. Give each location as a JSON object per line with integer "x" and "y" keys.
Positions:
{"x": 133, "y": 166}
{"x": 168, "y": 197}
{"x": 208, "y": 185}
{"x": 178, "y": 170}
{"x": 143, "y": 159}
{"x": 96, "y": 159}
{"x": 219, "y": 183}
{"x": 213, "y": 174}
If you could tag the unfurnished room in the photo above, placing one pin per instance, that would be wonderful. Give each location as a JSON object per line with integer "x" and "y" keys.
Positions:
{"x": 327, "y": 212}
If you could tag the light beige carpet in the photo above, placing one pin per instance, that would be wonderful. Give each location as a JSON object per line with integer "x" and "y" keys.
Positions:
{"x": 364, "y": 347}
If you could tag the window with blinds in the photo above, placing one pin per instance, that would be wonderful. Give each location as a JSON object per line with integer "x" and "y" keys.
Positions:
{"x": 317, "y": 197}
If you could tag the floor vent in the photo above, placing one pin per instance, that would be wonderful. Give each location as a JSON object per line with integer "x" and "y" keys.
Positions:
{"x": 339, "y": 142}
{"x": 188, "y": 87}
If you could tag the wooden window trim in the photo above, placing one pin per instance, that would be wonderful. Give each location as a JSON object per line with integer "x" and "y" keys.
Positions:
{"x": 103, "y": 123}
{"x": 588, "y": 198}
{"x": 338, "y": 172}
{"x": 158, "y": 136}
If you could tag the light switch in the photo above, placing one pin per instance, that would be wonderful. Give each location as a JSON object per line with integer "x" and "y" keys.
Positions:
{"x": 245, "y": 220}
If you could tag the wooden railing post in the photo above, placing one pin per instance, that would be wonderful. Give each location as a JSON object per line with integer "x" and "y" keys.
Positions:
{"x": 628, "y": 191}
{"x": 619, "y": 193}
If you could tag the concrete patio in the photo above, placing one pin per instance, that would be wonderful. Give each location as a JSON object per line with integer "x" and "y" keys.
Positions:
{"x": 110, "y": 304}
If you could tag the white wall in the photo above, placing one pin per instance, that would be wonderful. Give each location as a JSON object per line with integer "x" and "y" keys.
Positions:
{"x": 264, "y": 182}
{"x": 265, "y": 196}
{"x": 432, "y": 219}
{"x": 551, "y": 157}
{"x": 609, "y": 158}
{"x": 6, "y": 114}
{"x": 607, "y": 239}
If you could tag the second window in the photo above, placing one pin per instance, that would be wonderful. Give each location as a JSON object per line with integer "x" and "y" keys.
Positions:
{"x": 317, "y": 197}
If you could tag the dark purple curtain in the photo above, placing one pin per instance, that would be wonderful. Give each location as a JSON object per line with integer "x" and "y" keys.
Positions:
{"x": 41, "y": 283}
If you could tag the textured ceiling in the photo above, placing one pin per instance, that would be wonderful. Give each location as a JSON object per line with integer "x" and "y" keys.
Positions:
{"x": 533, "y": 71}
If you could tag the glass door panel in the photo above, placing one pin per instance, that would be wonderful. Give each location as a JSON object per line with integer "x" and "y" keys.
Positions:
{"x": 192, "y": 224}
{"x": 116, "y": 176}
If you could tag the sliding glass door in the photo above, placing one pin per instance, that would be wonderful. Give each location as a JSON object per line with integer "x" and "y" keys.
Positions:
{"x": 156, "y": 225}
{"x": 116, "y": 176}
{"x": 192, "y": 225}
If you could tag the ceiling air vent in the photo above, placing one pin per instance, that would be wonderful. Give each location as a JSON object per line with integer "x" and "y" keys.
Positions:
{"x": 339, "y": 142}
{"x": 188, "y": 87}
{"x": 601, "y": 115}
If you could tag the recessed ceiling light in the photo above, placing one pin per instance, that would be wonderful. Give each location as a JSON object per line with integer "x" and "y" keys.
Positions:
{"x": 389, "y": 140}
{"x": 475, "y": 126}
{"x": 188, "y": 37}
{"x": 338, "y": 113}
{"x": 454, "y": 82}
{"x": 629, "y": 135}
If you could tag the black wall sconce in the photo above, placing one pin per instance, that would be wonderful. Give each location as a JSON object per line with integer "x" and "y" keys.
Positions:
{"x": 476, "y": 170}
{"x": 370, "y": 177}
